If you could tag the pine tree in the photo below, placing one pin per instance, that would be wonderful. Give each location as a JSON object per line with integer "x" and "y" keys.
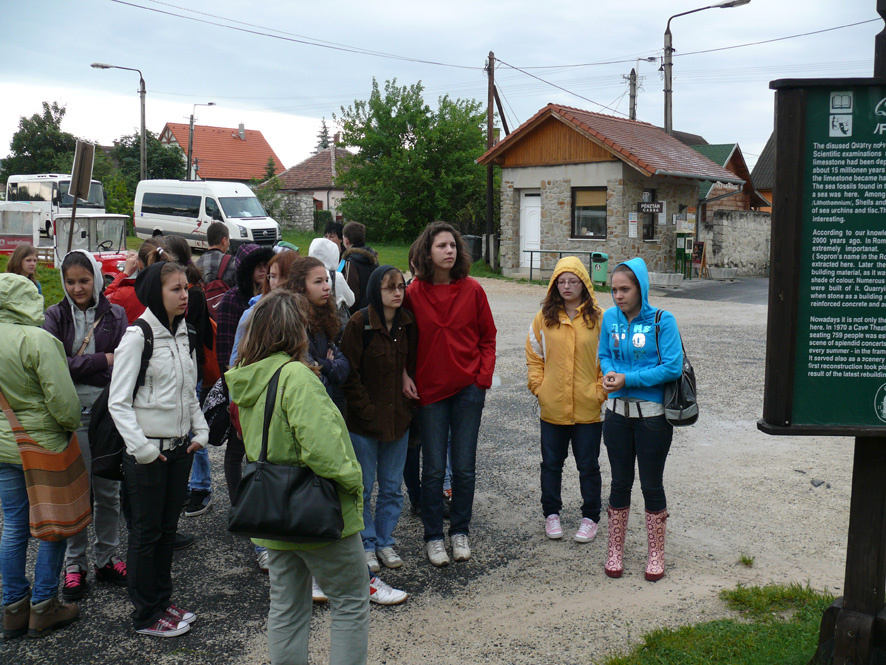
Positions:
{"x": 322, "y": 137}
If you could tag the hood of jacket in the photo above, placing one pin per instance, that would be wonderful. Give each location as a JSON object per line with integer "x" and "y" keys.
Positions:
{"x": 247, "y": 258}
{"x": 326, "y": 251}
{"x": 574, "y": 265}
{"x": 98, "y": 279}
{"x": 149, "y": 291}
{"x": 20, "y": 302}
{"x": 373, "y": 289}
{"x": 364, "y": 254}
{"x": 638, "y": 267}
{"x": 247, "y": 383}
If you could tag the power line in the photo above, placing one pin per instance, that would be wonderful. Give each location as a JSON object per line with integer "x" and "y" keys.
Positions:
{"x": 306, "y": 42}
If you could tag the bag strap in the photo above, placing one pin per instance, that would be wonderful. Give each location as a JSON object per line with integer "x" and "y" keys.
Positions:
{"x": 89, "y": 335}
{"x": 368, "y": 332}
{"x": 657, "y": 321}
{"x": 223, "y": 266}
{"x": 270, "y": 400}
{"x": 147, "y": 352}
{"x": 14, "y": 423}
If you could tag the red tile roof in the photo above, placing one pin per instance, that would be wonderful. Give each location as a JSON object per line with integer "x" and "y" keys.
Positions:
{"x": 647, "y": 148}
{"x": 316, "y": 172}
{"x": 221, "y": 154}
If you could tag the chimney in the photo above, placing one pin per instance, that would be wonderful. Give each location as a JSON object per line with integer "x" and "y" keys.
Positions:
{"x": 242, "y": 132}
{"x": 332, "y": 156}
{"x": 335, "y": 139}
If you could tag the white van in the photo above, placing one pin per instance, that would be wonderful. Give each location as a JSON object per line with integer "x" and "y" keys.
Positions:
{"x": 187, "y": 207}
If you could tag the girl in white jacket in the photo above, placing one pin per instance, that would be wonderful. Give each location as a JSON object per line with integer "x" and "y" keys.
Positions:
{"x": 161, "y": 426}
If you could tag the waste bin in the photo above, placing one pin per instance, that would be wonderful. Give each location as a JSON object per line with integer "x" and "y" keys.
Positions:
{"x": 599, "y": 266}
{"x": 475, "y": 247}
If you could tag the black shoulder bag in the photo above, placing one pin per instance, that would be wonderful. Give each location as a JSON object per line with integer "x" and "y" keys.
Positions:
{"x": 282, "y": 502}
{"x": 680, "y": 405}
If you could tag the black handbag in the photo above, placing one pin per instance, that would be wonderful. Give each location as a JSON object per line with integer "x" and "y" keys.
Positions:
{"x": 282, "y": 502}
{"x": 680, "y": 403}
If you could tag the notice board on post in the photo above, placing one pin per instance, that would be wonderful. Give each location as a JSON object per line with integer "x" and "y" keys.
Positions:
{"x": 826, "y": 334}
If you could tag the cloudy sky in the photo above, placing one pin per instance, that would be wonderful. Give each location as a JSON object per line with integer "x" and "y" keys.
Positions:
{"x": 281, "y": 66}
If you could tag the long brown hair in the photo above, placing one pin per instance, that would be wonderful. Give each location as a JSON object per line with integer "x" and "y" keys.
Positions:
{"x": 20, "y": 253}
{"x": 320, "y": 319}
{"x": 553, "y": 304}
{"x": 149, "y": 252}
{"x": 283, "y": 260}
{"x": 276, "y": 325}
{"x": 424, "y": 267}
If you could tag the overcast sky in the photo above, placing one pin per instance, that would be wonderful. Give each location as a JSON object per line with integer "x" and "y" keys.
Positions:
{"x": 270, "y": 82}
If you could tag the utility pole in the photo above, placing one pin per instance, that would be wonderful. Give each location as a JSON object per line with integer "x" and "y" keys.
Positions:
{"x": 633, "y": 81}
{"x": 490, "y": 72}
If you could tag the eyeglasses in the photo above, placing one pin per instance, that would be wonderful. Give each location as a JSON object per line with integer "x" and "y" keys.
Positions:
{"x": 568, "y": 282}
{"x": 391, "y": 289}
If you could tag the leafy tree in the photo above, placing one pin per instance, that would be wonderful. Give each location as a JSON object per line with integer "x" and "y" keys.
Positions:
{"x": 413, "y": 164}
{"x": 39, "y": 144}
{"x": 322, "y": 137}
{"x": 268, "y": 191}
{"x": 162, "y": 161}
{"x": 270, "y": 168}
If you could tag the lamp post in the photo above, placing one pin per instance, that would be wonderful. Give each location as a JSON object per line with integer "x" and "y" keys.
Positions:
{"x": 191, "y": 136}
{"x": 143, "y": 160}
{"x": 633, "y": 80}
{"x": 669, "y": 53}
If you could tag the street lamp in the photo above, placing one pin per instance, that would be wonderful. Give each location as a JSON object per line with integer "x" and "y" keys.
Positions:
{"x": 143, "y": 160}
{"x": 191, "y": 136}
{"x": 669, "y": 53}
{"x": 634, "y": 81}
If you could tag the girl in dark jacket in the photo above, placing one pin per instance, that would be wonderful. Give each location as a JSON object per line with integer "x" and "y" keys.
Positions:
{"x": 380, "y": 343}
{"x": 90, "y": 328}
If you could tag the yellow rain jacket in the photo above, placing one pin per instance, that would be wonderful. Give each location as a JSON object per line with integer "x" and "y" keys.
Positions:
{"x": 564, "y": 371}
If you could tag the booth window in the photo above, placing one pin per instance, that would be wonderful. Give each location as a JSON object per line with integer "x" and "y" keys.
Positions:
{"x": 589, "y": 213}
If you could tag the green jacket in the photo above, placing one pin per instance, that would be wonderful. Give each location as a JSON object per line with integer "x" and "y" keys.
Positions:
{"x": 306, "y": 429}
{"x": 35, "y": 376}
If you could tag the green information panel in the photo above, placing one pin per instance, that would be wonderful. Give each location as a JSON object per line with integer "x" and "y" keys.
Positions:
{"x": 840, "y": 364}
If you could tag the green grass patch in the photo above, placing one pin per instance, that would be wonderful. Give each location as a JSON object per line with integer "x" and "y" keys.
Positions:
{"x": 746, "y": 560}
{"x": 779, "y": 626}
{"x": 49, "y": 278}
{"x": 395, "y": 254}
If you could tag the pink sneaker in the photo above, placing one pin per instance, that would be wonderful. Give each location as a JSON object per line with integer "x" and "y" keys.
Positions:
{"x": 553, "y": 530}
{"x": 586, "y": 532}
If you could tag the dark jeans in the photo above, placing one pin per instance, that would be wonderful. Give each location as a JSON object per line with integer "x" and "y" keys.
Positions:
{"x": 412, "y": 474}
{"x": 646, "y": 440}
{"x": 459, "y": 416}
{"x": 156, "y": 492}
{"x": 555, "y": 440}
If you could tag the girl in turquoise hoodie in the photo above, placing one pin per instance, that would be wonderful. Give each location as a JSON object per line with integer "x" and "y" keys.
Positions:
{"x": 638, "y": 356}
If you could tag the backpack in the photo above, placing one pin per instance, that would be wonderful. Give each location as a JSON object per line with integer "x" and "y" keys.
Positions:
{"x": 105, "y": 442}
{"x": 217, "y": 287}
{"x": 680, "y": 405}
{"x": 211, "y": 372}
{"x": 368, "y": 330}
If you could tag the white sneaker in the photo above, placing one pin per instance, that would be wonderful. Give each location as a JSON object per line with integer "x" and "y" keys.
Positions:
{"x": 317, "y": 594}
{"x": 461, "y": 551}
{"x": 389, "y": 558}
{"x": 587, "y": 531}
{"x": 372, "y": 562}
{"x": 437, "y": 553}
{"x": 384, "y": 594}
{"x": 261, "y": 558}
{"x": 553, "y": 530}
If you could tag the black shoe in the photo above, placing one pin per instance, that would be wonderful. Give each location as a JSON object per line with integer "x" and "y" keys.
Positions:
{"x": 183, "y": 540}
{"x": 114, "y": 572}
{"x": 75, "y": 584}
{"x": 199, "y": 503}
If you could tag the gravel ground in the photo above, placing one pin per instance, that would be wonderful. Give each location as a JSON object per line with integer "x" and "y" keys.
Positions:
{"x": 524, "y": 599}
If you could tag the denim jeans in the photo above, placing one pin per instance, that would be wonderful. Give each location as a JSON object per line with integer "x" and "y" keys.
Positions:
{"x": 384, "y": 461}
{"x": 14, "y": 544}
{"x": 412, "y": 473}
{"x": 458, "y": 416}
{"x": 200, "y": 478}
{"x": 646, "y": 440}
{"x": 555, "y": 440}
{"x": 156, "y": 492}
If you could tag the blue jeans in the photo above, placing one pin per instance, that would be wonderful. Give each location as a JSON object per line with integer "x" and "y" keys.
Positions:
{"x": 383, "y": 460}
{"x": 412, "y": 473}
{"x": 555, "y": 440}
{"x": 14, "y": 543}
{"x": 200, "y": 479}
{"x": 459, "y": 417}
{"x": 646, "y": 440}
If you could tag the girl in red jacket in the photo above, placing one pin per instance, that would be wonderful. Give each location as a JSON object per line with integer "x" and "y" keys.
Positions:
{"x": 455, "y": 362}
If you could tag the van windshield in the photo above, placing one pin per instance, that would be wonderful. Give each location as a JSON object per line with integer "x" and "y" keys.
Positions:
{"x": 242, "y": 207}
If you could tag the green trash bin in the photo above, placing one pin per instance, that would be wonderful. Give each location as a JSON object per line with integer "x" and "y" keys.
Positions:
{"x": 599, "y": 267}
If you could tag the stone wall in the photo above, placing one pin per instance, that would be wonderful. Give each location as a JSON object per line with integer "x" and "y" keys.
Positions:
{"x": 509, "y": 244}
{"x": 738, "y": 239}
{"x": 298, "y": 211}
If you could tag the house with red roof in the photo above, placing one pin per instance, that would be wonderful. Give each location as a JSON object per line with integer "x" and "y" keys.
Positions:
{"x": 223, "y": 153}
{"x": 574, "y": 181}
{"x": 315, "y": 176}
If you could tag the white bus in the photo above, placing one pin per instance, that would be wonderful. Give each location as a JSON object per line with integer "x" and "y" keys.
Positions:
{"x": 48, "y": 192}
{"x": 187, "y": 207}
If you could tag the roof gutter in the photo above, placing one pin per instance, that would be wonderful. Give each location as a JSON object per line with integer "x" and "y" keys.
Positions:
{"x": 695, "y": 176}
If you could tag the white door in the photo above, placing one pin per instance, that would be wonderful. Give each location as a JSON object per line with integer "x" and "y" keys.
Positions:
{"x": 530, "y": 227}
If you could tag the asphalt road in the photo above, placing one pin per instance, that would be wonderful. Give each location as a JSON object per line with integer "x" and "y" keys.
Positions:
{"x": 744, "y": 290}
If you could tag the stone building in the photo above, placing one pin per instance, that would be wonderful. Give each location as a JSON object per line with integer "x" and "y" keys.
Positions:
{"x": 573, "y": 182}
{"x": 310, "y": 185}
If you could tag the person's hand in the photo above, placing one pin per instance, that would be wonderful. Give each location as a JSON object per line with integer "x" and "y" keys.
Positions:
{"x": 409, "y": 389}
{"x": 194, "y": 447}
{"x": 131, "y": 264}
{"x": 330, "y": 355}
{"x": 110, "y": 359}
{"x": 613, "y": 382}
{"x": 161, "y": 457}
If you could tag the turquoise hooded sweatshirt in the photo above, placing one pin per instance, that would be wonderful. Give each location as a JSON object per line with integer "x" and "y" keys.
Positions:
{"x": 629, "y": 348}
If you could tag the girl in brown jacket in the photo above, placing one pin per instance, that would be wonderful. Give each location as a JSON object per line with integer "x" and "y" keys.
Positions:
{"x": 379, "y": 342}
